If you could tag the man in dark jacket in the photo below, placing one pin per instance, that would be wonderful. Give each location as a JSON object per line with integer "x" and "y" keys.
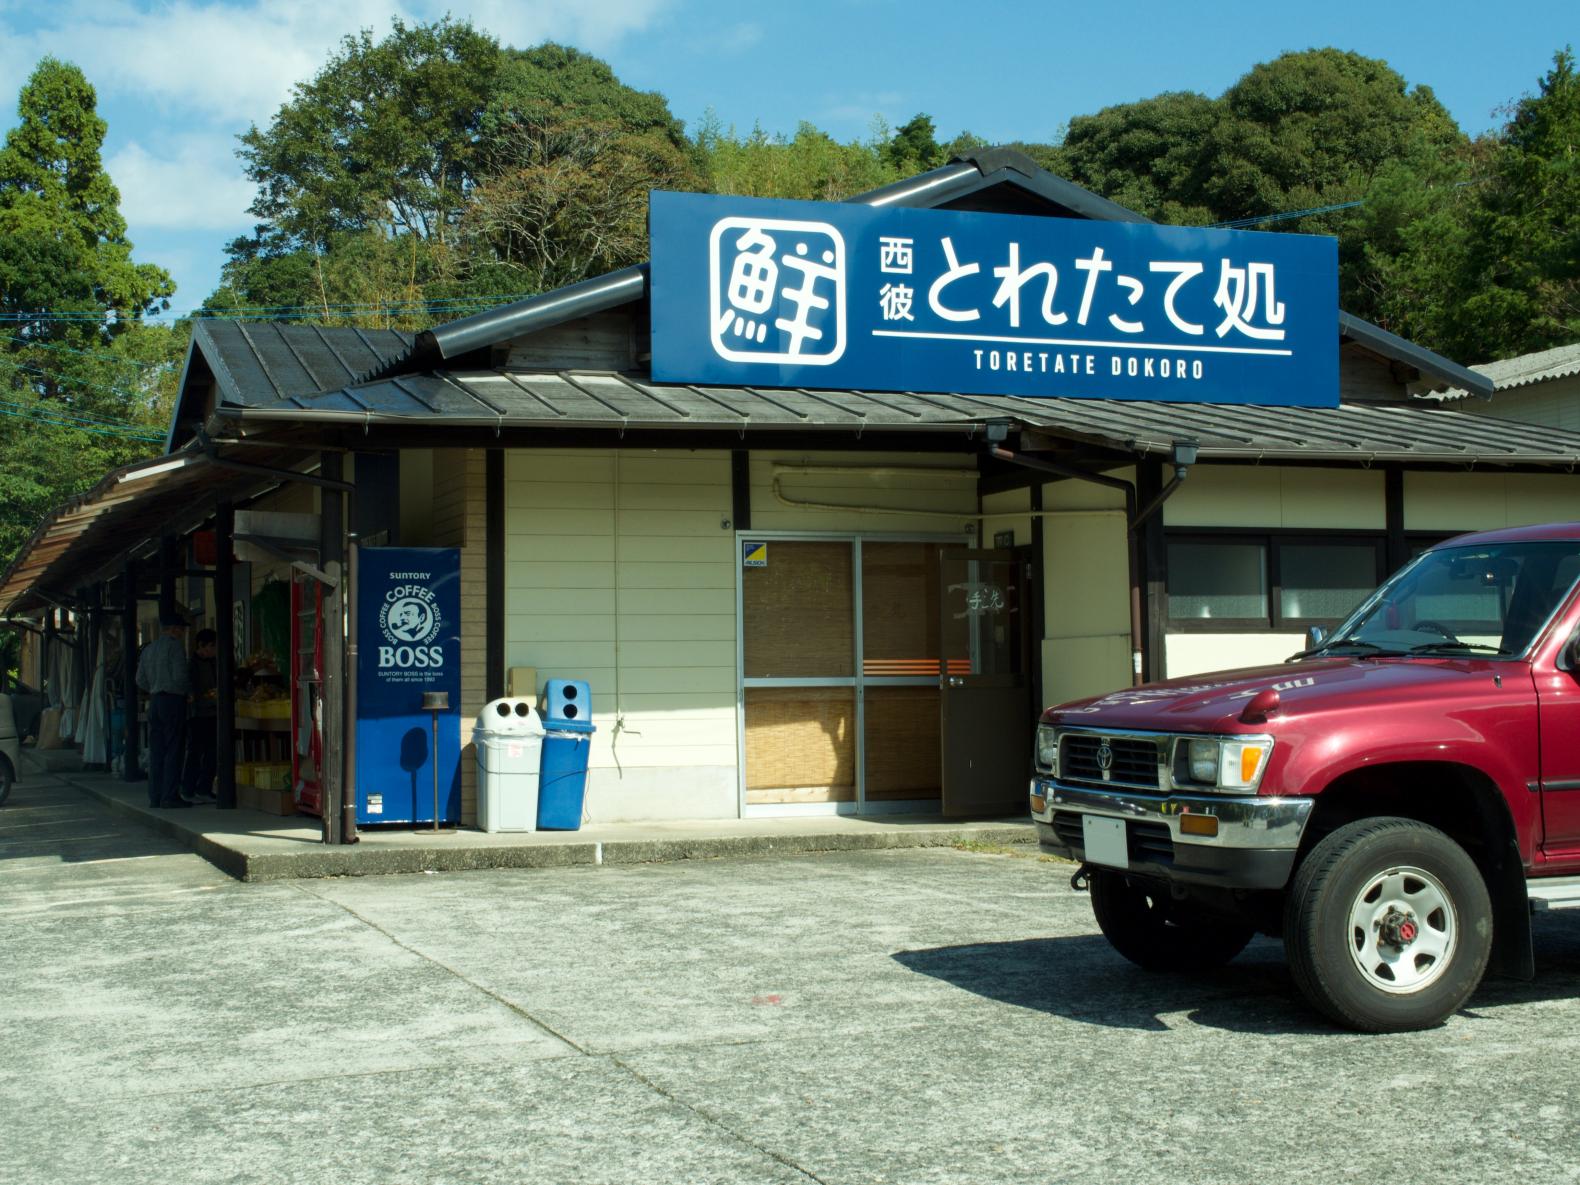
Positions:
{"x": 201, "y": 762}
{"x": 162, "y": 673}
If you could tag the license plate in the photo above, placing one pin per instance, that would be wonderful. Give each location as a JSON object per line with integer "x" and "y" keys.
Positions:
{"x": 1105, "y": 841}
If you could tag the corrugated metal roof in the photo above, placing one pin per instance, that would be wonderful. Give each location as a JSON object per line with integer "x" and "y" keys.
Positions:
{"x": 257, "y": 362}
{"x": 86, "y": 536}
{"x": 1508, "y": 374}
{"x": 1356, "y": 433}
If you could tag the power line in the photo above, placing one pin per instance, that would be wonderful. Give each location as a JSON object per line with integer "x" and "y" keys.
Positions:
{"x": 29, "y": 416}
{"x": 65, "y": 349}
{"x": 438, "y": 304}
{"x": 119, "y": 394}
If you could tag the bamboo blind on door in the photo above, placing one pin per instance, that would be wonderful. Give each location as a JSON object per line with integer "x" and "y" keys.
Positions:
{"x": 903, "y": 739}
{"x": 899, "y": 607}
{"x": 800, "y": 744}
{"x": 798, "y": 612}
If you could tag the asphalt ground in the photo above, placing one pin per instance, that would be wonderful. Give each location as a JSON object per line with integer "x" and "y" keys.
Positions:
{"x": 925, "y": 1015}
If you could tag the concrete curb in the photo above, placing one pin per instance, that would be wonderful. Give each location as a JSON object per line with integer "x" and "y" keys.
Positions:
{"x": 367, "y": 859}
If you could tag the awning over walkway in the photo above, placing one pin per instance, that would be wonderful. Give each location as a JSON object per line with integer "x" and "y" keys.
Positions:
{"x": 1358, "y": 433}
{"x": 85, "y": 539}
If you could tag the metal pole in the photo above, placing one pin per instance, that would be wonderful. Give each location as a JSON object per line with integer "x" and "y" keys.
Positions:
{"x": 225, "y": 657}
{"x": 130, "y": 766}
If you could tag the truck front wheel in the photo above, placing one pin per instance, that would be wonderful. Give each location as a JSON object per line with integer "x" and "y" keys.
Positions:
{"x": 1154, "y": 931}
{"x": 1388, "y": 926}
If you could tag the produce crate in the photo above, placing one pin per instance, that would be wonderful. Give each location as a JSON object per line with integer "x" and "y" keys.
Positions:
{"x": 272, "y": 776}
{"x": 275, "y": 802}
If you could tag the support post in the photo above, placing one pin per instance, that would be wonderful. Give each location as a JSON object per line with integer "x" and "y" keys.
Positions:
{"x": 494, "y": 566}
{"x": 169, "y": 565}
{"x": 131, "y": 766}
{"x": 225, "y": 657}
{"x": 332, "y": 559}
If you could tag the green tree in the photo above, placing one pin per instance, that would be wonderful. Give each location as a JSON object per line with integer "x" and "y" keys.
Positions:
{"x": 1518, "y": 280}
{"x": 809, "y": 166}
{"x": 400, "y": 175}
{"x": 384, "y": 136}
{"x": 85, "y": 381}
{"x": 914, "y": 147}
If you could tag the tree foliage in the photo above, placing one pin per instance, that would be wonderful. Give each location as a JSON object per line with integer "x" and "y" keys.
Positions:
{"x": 85, "y": 381}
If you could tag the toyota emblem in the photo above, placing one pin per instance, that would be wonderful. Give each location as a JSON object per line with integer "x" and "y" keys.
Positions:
{"x": 1105, "y": 757}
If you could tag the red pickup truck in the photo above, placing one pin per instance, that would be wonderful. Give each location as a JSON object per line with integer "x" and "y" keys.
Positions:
{"x": 1393, "y": 801}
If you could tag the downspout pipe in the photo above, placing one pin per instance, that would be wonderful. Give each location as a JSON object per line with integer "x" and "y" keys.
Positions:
{"x": 1184, "y": 456}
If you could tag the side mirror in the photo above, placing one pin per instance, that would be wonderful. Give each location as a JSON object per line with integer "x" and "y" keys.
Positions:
{"x": 1569, "y": 656}
{"x": 1314, "y": 636}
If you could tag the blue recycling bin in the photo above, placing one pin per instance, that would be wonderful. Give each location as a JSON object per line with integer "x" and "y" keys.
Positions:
{"x": 567, "y": 703}
{"x": 562, "y": 774}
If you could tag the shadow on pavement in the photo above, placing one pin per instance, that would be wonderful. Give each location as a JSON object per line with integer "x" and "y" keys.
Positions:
{"x": 1082, "y": 978}
{"x": 46, "y": 820}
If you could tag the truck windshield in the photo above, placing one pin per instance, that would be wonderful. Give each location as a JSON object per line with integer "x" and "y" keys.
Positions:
{"x": 1490, "y": 601}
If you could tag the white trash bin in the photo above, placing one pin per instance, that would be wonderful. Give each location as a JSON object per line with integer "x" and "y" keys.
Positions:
{"x": 509, "y": 741}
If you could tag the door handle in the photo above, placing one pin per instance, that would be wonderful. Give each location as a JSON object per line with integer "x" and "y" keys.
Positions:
{"x": 956, "y": 681}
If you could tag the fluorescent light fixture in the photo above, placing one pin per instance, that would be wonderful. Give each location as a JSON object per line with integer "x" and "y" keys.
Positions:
{"x": 162, "y": 467}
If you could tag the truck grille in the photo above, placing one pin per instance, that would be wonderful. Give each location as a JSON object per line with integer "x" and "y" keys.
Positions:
{"x": 1134, "y": 761}
{"x": 1147, "y": 842}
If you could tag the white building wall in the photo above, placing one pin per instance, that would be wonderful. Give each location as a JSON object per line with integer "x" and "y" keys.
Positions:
{"x": 1086, "y": 605}
{"x": 1458, "y": 501}
{"x": 620, "y": 569}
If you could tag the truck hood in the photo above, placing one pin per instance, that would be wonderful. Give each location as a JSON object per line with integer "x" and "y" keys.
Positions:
{"x": 1213, "y": 702}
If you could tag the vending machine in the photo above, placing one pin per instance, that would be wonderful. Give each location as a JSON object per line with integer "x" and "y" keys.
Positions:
{"x": 408, "y": 664}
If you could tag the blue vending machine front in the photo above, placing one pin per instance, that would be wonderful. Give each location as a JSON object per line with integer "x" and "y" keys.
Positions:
{"x": 409, "y": 642}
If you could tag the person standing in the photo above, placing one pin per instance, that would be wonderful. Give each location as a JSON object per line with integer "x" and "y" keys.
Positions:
{"x": 162, "y": 673}
{"x": 201, "y": 737}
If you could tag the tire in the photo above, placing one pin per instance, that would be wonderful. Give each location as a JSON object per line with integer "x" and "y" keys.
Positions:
{"x": 1156, "y": 932}
{"x": 1388, "y": 926}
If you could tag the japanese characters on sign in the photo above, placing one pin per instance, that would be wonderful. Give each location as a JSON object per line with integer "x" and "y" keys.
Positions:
{"x": 809, "y": 294}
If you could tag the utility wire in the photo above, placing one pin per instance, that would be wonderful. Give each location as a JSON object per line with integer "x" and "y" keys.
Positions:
{"x": 65, "y": 349}
{"x": 118, "y": 434}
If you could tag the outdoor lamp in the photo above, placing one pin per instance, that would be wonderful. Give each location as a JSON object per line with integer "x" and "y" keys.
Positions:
{"x": 1184, "y": 453}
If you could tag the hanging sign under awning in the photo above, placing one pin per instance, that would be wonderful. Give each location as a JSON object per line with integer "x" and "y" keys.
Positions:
{"x": 752, "y": 292}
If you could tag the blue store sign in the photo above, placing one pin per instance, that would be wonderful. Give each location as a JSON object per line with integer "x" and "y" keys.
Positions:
{"x": 750, "y": 292}
{"x": 409, "y": 642}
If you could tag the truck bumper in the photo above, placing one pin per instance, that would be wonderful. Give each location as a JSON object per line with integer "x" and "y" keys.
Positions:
{"x": 1257, "y": 836}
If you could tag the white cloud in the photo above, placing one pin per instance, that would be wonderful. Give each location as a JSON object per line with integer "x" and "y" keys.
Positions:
{"x": 211, "y": 62}
{"x": 195, "y": 183}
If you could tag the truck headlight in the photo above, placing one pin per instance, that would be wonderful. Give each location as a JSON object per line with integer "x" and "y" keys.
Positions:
{"x": 1047, "y": 749}
{"x": 1221, "y": 763}
{"x": 1203, "y": 761}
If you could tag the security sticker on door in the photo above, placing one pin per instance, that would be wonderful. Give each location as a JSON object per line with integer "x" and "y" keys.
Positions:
{"x": 754, "y": 553}
{"x": 1104, "y": 840}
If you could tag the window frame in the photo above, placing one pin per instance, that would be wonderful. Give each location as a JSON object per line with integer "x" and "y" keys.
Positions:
{"x": 1273, "y": 542}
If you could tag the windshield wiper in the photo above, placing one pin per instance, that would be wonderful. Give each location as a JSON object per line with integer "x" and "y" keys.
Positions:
{"x": 1428, "y": 647}
{"x": 1351, "y": 647}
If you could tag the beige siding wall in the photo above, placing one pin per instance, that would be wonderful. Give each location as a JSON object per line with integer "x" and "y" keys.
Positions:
{"x": 620, "y": 569}
{"x": 1193, "y": 654}
{"x": 460, "y": 519}
{"x": 856, "y": 483}
{"x": 1453, "y": 502}
{"x": 998, "y": 511}
{"x": 1273, "y": 496}
{"x": 1086, "y": 647}
{"x": 1555, "y": 404}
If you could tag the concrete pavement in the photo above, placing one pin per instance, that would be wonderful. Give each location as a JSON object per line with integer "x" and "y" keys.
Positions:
{"x": 853, "y": 1018}
{"x": 254, "y": 846}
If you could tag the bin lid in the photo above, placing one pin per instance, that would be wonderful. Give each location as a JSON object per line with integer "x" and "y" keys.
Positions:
{"x": 509, "y": 716}
{"x": 575, "y": 726}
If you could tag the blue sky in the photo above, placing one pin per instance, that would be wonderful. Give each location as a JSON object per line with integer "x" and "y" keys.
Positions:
{"x": 178, "y": 80}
